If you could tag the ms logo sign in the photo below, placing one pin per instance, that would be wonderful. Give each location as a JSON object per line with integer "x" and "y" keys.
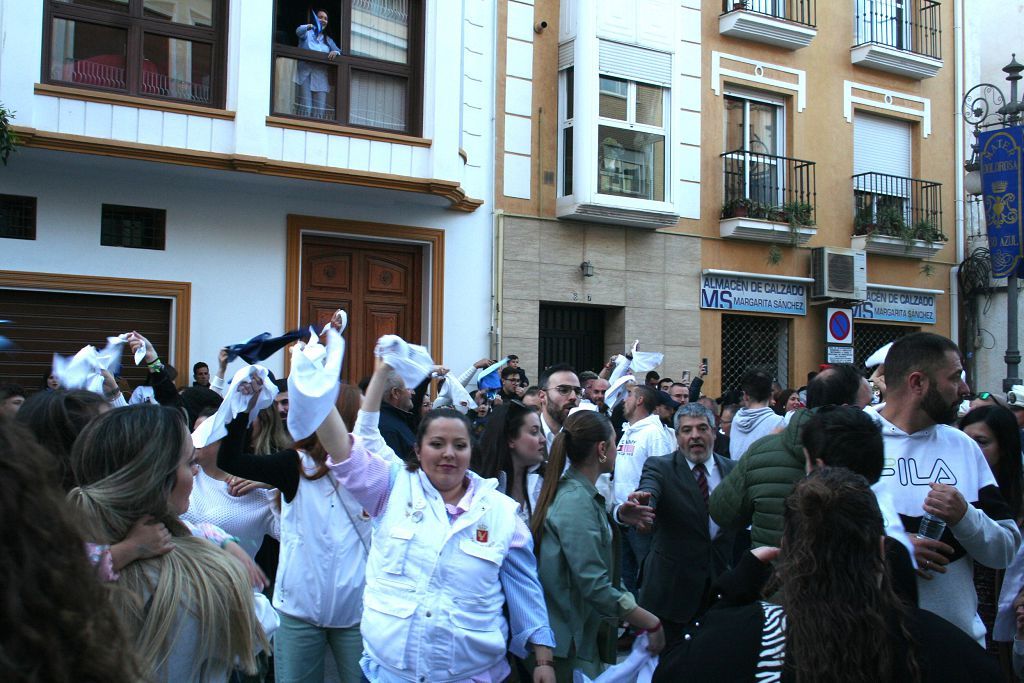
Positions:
{"x": 907, "y": 469}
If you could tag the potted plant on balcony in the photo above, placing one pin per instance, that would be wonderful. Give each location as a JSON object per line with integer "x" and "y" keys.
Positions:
{"x": 864, "y": 222}
{"x": 927, "y": 231}
{"x": 739, "y": 4}
{"x": 892, "y": 223}
{"x": 736, "y": 208}
{"x": 7, "y": 137}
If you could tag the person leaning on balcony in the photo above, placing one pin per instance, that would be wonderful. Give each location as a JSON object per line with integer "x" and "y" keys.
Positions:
{"x": 311, "y": 79}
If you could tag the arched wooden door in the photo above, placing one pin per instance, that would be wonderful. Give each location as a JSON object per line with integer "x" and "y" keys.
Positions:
{"x": 378, "y": 283}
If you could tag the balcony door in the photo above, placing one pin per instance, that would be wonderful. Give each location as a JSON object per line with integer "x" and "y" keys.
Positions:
{"x": 887, "y": 22}
{"x": 882, "y": 148}
{"x": 753, "y": 145}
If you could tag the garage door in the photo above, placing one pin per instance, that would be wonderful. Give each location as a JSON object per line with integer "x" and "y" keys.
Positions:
{"x": 44, "y": 323}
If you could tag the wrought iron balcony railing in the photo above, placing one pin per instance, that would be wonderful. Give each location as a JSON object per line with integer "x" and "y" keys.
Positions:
{"x": 909, "y": 25}
{"x": 894, "y": 206}
{"x": 798, "y": 11}
{"x": 766, "y": 186}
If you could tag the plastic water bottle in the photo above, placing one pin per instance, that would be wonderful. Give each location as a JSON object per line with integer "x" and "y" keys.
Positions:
{"x": 931, "y": 527}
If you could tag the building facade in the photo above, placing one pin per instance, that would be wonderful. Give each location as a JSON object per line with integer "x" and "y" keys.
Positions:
{"x": 697, "y": 154}
{"x": 207, "y": 170}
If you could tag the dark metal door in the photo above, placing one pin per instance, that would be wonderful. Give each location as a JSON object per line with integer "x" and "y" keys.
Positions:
{"x": 573, "y": 335}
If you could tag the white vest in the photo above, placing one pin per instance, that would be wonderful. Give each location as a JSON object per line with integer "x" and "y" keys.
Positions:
{"x": 432, "y": 608}
{"x": 322, "y": 566}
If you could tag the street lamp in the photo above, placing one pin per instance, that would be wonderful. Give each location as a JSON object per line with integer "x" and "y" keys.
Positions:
{"x": 985, "y": 107}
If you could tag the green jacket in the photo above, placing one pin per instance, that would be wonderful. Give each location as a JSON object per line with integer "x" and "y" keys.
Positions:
{"x": 754, "y": 492}
{"x": 578, "y": 569}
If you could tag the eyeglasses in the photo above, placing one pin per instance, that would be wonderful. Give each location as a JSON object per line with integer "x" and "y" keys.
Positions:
{"x": 566, "y": 389}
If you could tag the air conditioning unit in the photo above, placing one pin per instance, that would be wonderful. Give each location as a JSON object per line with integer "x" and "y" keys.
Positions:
{"x": 839, "y": 273}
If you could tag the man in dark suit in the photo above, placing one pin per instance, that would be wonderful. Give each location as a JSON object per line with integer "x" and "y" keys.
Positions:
{"x": 688, "y": 551}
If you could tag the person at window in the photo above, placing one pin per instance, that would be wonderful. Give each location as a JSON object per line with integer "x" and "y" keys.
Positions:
{"x": 311, "y": 78}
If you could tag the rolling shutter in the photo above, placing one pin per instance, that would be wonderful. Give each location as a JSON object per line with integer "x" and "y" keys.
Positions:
{"x": 881, "y": 145}
{"x": 44, "y": 323}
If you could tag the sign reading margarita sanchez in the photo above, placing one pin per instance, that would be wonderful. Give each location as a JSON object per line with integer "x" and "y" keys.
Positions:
{"x": 897, "y": 305}
{"x": 739, "y": 293}
{"x": 1002, "y": 186}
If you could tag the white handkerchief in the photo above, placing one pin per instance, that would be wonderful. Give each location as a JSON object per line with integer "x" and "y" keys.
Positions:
{"x": 617, "y": 391}
{"x": 644, "y": 361}
{"x": 878, "y": 357}
{"x": 639, "y": 666}
{"x": 494, "y": 366}
{"x": 235, "y": 402}
{"x": 82, "y": 371}
{"x": 344, "y": 322}
{"x": 622, "y": 365}
{"x": 456, "y": 394}
{"x": 410, "y": 361}
{"x": 140, "y": 352}
{"x": 313, "y": 383}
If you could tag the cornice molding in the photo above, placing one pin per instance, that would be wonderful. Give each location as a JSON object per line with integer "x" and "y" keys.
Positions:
{"x": 80, "y": 144}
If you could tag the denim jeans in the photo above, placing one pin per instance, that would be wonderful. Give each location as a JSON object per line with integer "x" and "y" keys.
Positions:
{"x": 299, "y": 649}
{"x": 634, "y": 550}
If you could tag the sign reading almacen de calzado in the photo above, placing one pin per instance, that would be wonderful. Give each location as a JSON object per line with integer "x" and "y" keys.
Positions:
{"x": 897, "y": 305}
{"x": 753, "y": 294}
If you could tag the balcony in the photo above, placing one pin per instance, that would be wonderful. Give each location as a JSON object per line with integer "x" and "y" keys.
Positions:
{"x": 899, "y": 36}
{"x": 789, "y": 24}
{"x": 767, "y": 198}
{"x": 897, "y": 216}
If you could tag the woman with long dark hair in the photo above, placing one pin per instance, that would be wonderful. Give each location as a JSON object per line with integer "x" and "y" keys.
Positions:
{"x": 60, "y": 625}
{"x": 511, "y": 450}
{"x": 838, "y": 618}
{"x": 995, "y": 430}
{"x": 448, "y": 554}
{"x": 575, "y": 545}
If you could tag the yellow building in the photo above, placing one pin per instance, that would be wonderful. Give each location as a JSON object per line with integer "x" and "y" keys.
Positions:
{"x": 696, "y": 155}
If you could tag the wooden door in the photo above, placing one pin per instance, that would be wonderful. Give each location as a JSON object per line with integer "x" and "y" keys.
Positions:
{"x": 378, "y": 284}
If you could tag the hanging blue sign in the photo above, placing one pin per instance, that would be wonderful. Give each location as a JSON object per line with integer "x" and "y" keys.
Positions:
{"x": 1002, "y": 154}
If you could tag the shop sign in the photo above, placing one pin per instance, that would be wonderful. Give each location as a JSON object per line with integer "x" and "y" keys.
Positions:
{"x": 897, "y": 305}
{"x": 752, "y": 294}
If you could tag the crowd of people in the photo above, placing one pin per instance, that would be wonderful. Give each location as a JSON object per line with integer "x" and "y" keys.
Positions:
{"x": 424, "y": 525}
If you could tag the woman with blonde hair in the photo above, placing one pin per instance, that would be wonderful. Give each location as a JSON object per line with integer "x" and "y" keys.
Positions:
{"x": 191, "y": 610}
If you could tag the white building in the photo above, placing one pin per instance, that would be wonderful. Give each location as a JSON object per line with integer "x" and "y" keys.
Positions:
{"x": 990, "y": 34}
{"x": 187, "y": 169}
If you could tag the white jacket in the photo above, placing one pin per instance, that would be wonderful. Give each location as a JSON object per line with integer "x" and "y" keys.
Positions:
{"x": 433, "y": 600}
{"x": 642, "y": 440}
{"x": 322, "y": 566}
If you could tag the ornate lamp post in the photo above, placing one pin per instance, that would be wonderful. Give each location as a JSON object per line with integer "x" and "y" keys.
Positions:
{"x": 986, "y": 108}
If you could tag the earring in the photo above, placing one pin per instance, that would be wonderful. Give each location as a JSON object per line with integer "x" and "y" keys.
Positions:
{"x": 603, "y": 459}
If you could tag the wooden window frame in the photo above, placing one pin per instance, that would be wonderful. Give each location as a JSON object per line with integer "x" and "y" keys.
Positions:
{"x": 346, "y": 63}
{"x": 137, "y": 26}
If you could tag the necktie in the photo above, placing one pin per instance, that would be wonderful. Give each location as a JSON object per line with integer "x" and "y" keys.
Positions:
{"x": 701, "y": 473}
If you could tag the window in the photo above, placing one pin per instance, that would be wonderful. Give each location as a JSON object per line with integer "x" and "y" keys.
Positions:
{"x": 754, "y": 147}
{"x": 164, "y": 49}
{"x": 631, "y": 139}
{"x": 883, "y": 187}
{"x": 566, "y": 86}
{"x": 133, "y": 226}
{"x": 363, "y": 67}
{"x": 17, "y": 217}
{"x": 754, "y": 342}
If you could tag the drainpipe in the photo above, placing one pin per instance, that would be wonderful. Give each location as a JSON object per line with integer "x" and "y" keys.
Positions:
{"x": 958, "y": 127}
{"x": 497, "y": 280}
